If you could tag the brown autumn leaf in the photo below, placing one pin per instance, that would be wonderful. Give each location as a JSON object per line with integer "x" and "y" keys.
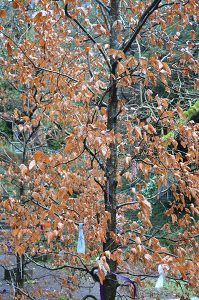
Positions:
{"x": 116, "y": 53}
{"x": 149, "y": 128}
{"x": 35, "y": 122}
{"x": 166, "y": 68}
{"x": 40, "y": 16}
{"x": 138, "y": 132}
{"x": 148, "y": 257}
{"x": 137, "y": 240}
{"x": 9, "y": 48}
{"x": 3, "y": 13}
{"x": 35, "y": 195}
{"x": 192, "y": 34}
{"x": 23, "y": 169}
{"x": 15, "y": 4}
{"x": 120, "y": 69}
{"x": 38, "y": 155}
{"x": 149, "y": 94}
{"x": 104, "y": 150}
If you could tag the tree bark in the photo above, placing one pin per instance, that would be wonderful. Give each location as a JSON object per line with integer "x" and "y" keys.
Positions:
{"x": 110, "y": 284}
{"x": 20, "y": 273}
{"x": 19, "y": 279}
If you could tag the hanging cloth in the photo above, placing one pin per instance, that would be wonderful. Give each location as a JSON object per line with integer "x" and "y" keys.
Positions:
{"x": 81, "y": 241}
{"x": 160, "y": 281}
{"x": 125, "y": 279}
{"x": 8, "y": 244}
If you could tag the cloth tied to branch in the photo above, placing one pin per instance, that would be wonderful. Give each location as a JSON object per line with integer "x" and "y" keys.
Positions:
{"x": 8, "y": 244}
{"x": 81, "y": 242}
{"x": 160, "y": 281}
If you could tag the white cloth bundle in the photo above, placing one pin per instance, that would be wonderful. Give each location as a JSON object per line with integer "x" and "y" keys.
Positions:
{"x": 81, "y": 241}
{"x": 159, "y": 283}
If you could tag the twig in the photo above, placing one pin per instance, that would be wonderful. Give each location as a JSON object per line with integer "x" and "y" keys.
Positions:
{"x": 172, "y": 3}
{"x": 70, "y": 209}
{"x": 125, "y": 204}
{"x": 103, "y": 5}
{"x": 88, "y": 34}
{"x": 93, "y": 155}
{"x": 105, "y": 18}
{"x": 57, "y": 268}
{"x": 24, "y": 293}
{"x": 141, "y": 23}
{"x": 44, "y": 207}
{"x": 71, "y": 160}
{"x": 89, "y": 65}
{"x": 75, "y": 255}
{"x": 151, "y": 275}
{"x": 56, "y": 72}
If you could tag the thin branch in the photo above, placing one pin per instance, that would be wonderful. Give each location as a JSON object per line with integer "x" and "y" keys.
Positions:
{"x": 125, "y": 204}
{"x": 88, "y": 34}
{"x": 71, "y": 160}
{"x": 140, "y": 84}
{"x": 141, "y": 23}
{"x": 70, "y": 209}
{"x": 24, "y": 53}
{"x": 172, "y": 3}
{"x": 101, "y": 185}
{"x": 89, "y": 65}
{"x": 150, "y": 275}
{"x": 75, "y": 255}
{"x": 105, "y": 18}
{"x": 56, "y": 72}
{"x": 57, "y": 268}
{"x": 16, "y": 88}
{"x": 170, "y": 239}
{"x": 44, "y": 207}
{"x": 24, "y": 293}
{"x": 9, "y": 141}
{"x": 159, "y": 252}
{"x": 103, "y": 5}
{"x": 93, "y": 155}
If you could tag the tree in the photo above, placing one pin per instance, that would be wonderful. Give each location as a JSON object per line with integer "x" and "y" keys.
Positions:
{"x": 112, "y": 79}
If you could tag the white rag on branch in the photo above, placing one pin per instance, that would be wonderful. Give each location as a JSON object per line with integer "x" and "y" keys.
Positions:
{"x": 81, "y": 242}
{"x": 160, "y": 281}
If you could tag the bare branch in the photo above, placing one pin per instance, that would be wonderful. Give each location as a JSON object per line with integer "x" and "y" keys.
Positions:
{"x": 125, "y": 204}
{"x": 57, "y": 268}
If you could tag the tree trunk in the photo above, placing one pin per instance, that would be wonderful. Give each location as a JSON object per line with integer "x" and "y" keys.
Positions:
{"x": 19, "y": 274}
{"x": 110, "y": 284}
{"x": 19, "y": 277}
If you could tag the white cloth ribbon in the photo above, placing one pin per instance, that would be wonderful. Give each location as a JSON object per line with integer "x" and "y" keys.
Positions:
{"x": 81, "y": 241}
{"x": 160, "y": 281}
